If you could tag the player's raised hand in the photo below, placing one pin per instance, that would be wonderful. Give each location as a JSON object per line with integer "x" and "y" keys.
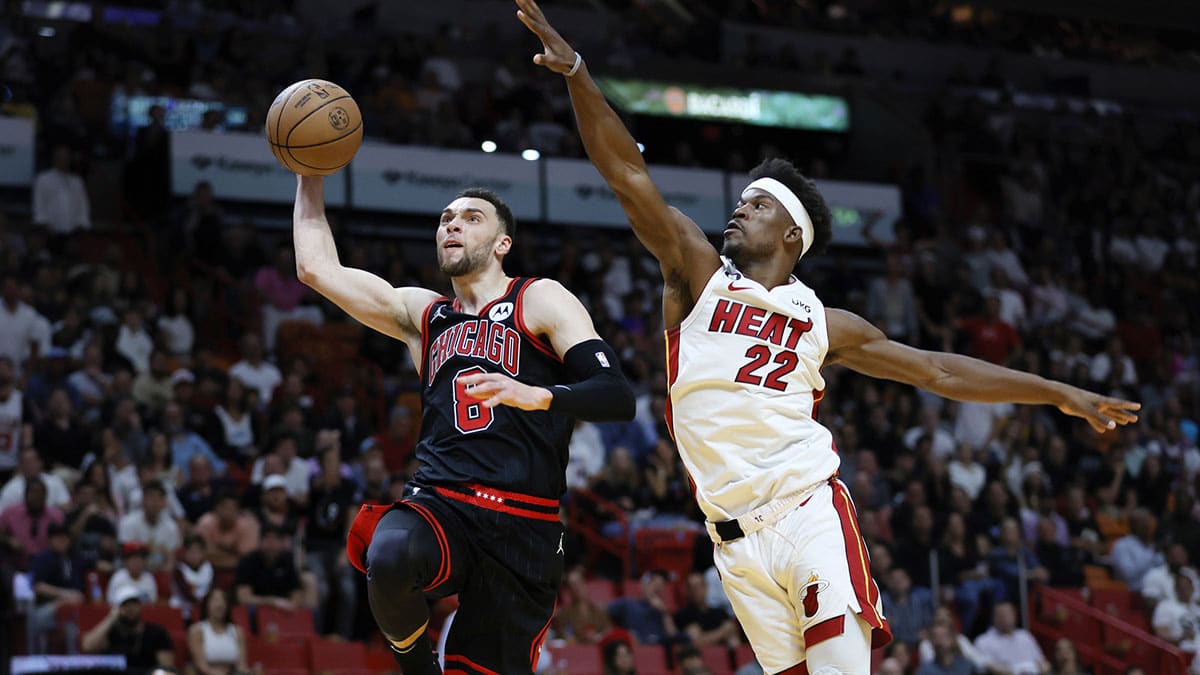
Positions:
{"x": 1102, "y": 412}
{"x": 494, "y": 389}
{"x": 557, "y": 54}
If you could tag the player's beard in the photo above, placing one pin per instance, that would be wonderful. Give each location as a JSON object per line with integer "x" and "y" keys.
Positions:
{"x": 468, "y": 263}
{"x": 742, "y": 254}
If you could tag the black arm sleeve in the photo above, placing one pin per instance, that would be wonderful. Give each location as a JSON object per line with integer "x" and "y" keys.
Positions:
{"x": 601, "y": 393}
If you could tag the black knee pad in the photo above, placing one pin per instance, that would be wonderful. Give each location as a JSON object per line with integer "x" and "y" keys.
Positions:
{"x": 404, "y": 552}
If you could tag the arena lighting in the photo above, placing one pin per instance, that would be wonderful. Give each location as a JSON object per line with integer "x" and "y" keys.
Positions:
{"x": 641, "y": 148}
{"x": 531, "y": 155}
{"x": 47, "y": 31}
{"x": 488, "y": 146}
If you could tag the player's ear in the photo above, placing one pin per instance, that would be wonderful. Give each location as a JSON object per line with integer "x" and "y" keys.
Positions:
{"x": 793, "y": 235}
{"x": 504, "y": 245}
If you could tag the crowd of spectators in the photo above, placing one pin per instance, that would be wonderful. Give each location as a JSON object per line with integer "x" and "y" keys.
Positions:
{"x": 155, "y": 422}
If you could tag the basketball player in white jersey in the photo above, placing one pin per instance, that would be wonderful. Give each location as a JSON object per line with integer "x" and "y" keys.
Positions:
{"x": 746, "y": 343}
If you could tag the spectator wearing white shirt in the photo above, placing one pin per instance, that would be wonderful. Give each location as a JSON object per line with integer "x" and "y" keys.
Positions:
{"x": 1012, "y": 305}
{"x": 931, "y": 426}
{"x": 133, "y": 342}
{"x": 1048, "y": 299}
{"x": 586, "y": 455}
{"x": 284, "y": 462}
{"x": 1000, "y": 255}
{"x": 977, "y": 423}
{"x": 19, "y": 325}
{"x": 153, "y": 526}
{"x": 966, "y": 473}
{"x": 1134, "y": 555}
{"x": 1008, "y": 649}
{"x": 133, "y": 573}
{"x": 175, "y": 325}
{"x": 30, "y": 466}
{"x": 254, "y": 372}
{"x": 1177, "y": 619}
{"x": 1159, "y": 583}
{"x": 60, "y": 201}
{"x": 1114, "y": 358}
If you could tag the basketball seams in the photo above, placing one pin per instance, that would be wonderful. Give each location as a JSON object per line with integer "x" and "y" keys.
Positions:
{"x": 316, "y": 145}
{"x": 311, "y": 166}
{"x": 310, "y": 114}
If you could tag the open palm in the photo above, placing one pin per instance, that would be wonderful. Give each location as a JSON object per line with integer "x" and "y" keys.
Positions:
{"x": 556, "y": 54}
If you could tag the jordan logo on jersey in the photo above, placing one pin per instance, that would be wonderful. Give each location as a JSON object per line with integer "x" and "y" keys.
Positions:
{"x": 481, "y": 339}
{"x": 780, "y": 330}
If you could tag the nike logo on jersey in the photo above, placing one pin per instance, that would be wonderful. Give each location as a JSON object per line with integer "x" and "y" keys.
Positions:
{"x": 739, "y": 288}
{"x": 781, "y": 330}
{"x": 560, "y": 544}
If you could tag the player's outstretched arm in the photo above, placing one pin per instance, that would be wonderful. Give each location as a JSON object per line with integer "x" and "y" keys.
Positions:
{"x": 600, "y": 391}
{"x": 364, "y": 296}
{"x": 673, "y": 238}
{"x": 860, "y": 346}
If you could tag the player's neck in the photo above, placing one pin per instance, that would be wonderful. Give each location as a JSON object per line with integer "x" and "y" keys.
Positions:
{"x": 769, "y": 273}
{"x": 477, "y": 289}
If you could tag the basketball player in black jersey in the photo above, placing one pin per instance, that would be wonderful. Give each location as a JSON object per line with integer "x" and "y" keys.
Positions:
{"x": 505, "y": 367}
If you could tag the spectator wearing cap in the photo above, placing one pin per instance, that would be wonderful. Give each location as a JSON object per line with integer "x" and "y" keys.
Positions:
{"x": 153, "y": 526}
{"x": 276, "y": 509}
{"x": 134, "y": 573}
{"x": 228, "y": 532}
{"x": 284, "y": 461}
{"x": 25, "y": 526}
{"x": 268, "y": 575}
{"x": 57, "y": 577}
{"x": 145, "y": 645}
{"x": 30, "y": 467}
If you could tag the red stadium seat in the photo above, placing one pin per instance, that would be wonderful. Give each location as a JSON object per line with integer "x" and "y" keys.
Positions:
{"x": 601, "y": 591}
{"x": 274, "y": 655}
{"x": 90, "y": 615}
{"x": 650, "y": 660}
{"x": 162, "y": 583}
{"x": 240, "y": 615}
{"x": 275, "y": 623}
{"x": 337, "y": 657}
{"x": 166, "y": 616}
{"x": 579, "y": 659}
{"x": 381, "y": 661}
{"x": 183, "y": 654}
{"x": 668, "y": 549}
{"x": 716, "y": 657}
{"x": 744, "y": 654}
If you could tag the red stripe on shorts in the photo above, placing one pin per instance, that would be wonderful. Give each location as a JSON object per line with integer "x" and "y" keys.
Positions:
{"x": 471, "y": 664}
{"x": 444, "y": 569}
{"x": 859, "y": 562}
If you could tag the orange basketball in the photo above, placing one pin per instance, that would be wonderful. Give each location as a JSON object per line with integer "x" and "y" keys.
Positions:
{"x": 314, "y": 127}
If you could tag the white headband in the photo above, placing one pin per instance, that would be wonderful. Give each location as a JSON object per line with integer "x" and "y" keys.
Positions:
{"x": 791, "y": 204}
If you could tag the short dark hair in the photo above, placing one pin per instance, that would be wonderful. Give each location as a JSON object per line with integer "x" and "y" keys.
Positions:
{"x": 806, "y": 191}
{"x": 154, "y": 486}
{"x": 502, "y": 211}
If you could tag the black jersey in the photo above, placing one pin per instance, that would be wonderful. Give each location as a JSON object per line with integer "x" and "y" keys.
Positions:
{"x": 461, "y": 440}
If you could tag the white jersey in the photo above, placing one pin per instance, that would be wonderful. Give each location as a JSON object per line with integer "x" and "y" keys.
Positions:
{"x": 11, "y": 424}
{"x": 744, "y": 370}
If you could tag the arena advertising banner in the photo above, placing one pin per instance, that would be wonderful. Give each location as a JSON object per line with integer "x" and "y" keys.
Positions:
{"x": 423, "y": 180}
{"x": 817, "y": 112}
{"x": 853, "y": 206}
{"x": 16, "y": 151}
{"x": 577, "y": 195}
{"x": 239, "y": 166}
